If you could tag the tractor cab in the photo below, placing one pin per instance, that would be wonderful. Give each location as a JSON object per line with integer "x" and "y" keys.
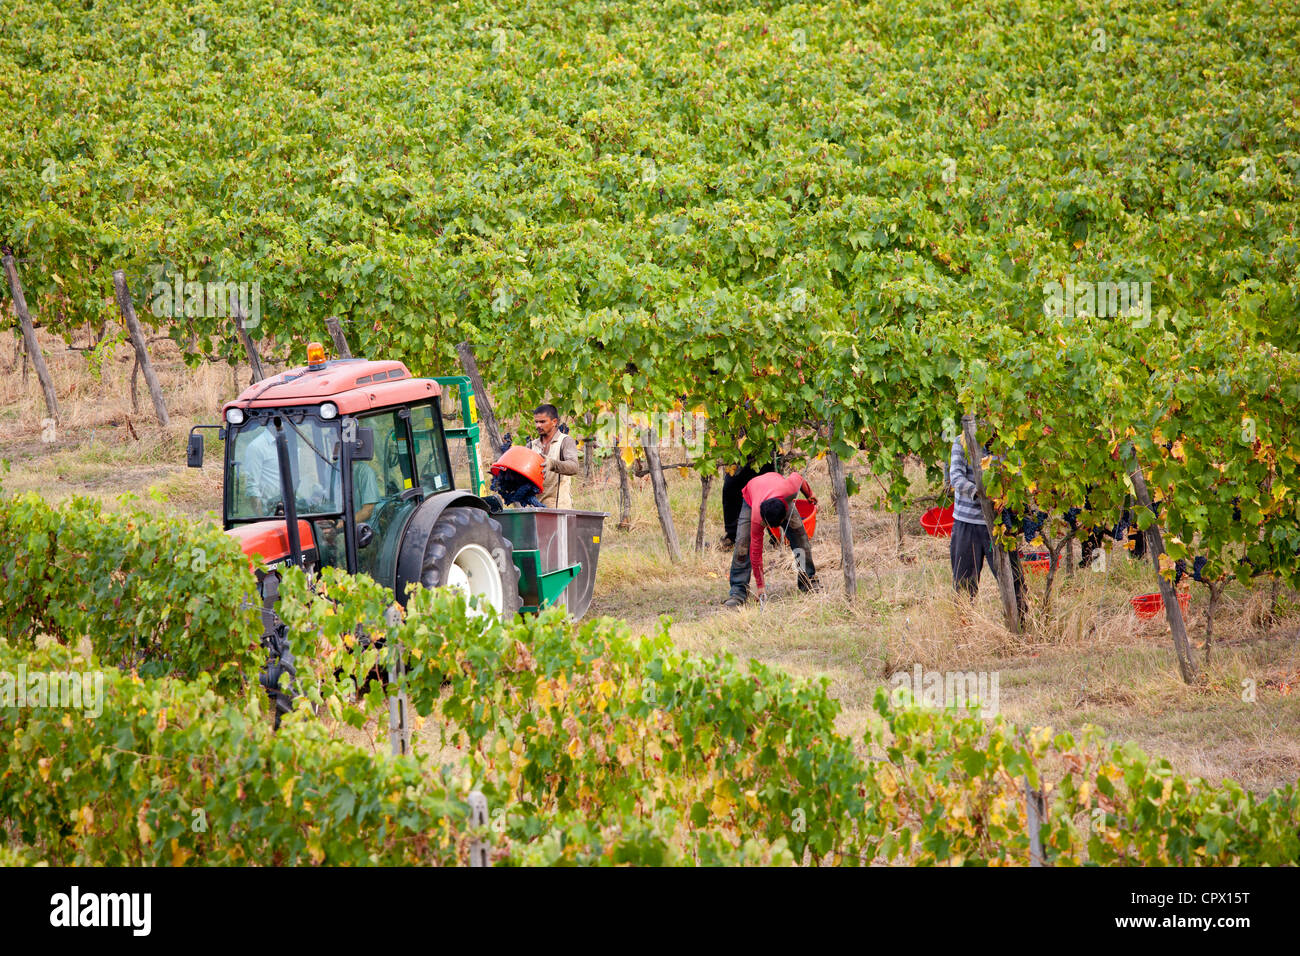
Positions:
{"x": 347, "y": 449}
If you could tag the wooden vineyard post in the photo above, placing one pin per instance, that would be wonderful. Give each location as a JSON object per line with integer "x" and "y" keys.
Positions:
{"x": 337, "y": 336}
{"x": 29, "y": 336}
{"x": 135, "y": 386}
{"x": 706, "y": 481}
{"x": 399, "y": 719}
{"x": 1035, "y": 814}
{"x": 127, "y": 308}
{"x": 649, "y": 444}
{"x": 399, "y": 705}
{"x": 487, "y": 419}
{"x": 900, "y": 539}
{"x": 478, "y": 817}
{"x": 624, "y": 492}
{"x": 1216, "y": 592}
{"x": 840, "y": 497}
{"x": 1156, "y": 547}
{"x": 1001, "y": 561}
{"x": 588, "y": 449}
{"x": 254, "y": 359}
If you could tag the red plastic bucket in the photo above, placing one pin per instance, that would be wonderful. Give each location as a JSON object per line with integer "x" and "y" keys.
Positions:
{"x": 522, "y": 461}
{"x": 1036, "y": 560}
{"x": 938, "y": 522}
{"x": 1149, "y": 605}
{"x": 808, "y": 513}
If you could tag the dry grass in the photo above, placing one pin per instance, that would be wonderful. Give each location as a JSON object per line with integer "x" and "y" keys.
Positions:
{"x": 1092, "y": 662}
{"x": 102, "y": 444}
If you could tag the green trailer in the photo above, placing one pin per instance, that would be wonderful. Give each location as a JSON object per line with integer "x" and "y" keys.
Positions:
{"x": 555, "y": 551}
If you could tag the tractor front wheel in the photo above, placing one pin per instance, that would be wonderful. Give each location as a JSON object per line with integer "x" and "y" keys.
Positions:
{"x": 466, "y": 550}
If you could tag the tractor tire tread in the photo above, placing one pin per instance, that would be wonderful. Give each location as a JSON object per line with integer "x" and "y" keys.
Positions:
{"x": 458, "y": 527}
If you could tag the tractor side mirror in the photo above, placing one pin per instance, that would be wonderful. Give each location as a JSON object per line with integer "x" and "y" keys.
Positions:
{"x": 363, "y": 444}
{"x": 194, "y": 451}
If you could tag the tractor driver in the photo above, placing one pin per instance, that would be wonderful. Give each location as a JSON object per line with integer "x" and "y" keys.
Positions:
{"x": 261, "y": 472}
{"x": 365, "y": 495}
{"x": 365, "y": 491}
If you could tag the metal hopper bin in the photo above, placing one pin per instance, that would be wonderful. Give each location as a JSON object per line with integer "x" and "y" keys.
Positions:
{"x": 555, "y": 551}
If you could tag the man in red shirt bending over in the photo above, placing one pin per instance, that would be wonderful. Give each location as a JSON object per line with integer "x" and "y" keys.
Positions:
{"x": 769, "y": 502}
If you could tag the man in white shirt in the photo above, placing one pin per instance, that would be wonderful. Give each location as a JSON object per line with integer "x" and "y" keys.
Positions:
{"x": 561, "y": 454}
{"x": 262, "y": 471}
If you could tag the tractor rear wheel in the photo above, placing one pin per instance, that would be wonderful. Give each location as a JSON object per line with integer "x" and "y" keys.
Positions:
{"x": 466, "y": 550}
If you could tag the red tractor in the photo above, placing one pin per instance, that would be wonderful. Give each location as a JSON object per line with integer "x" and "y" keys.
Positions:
{"x": 345, "y": 464}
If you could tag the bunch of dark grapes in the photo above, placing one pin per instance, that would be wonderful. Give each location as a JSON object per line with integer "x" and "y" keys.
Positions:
{"x": 1032, "y": 524}
{"x": 1180, "y": 568}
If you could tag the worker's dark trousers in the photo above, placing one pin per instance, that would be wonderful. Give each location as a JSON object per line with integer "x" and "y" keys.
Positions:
{"x": 733, "y": 489}
{"x": 795, "y": 534}
{"x": 968, "y": 547}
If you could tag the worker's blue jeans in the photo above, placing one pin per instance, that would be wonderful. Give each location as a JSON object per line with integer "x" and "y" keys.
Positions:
{"x": 795, "y": 535}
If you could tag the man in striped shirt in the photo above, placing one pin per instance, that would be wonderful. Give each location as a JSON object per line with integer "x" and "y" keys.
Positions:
{"x": 971, "y": 542}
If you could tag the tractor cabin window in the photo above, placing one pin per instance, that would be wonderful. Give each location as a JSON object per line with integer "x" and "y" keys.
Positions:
{"x": 377, "y": 489}
{"x": 430, "y": 449}
{"x": 253, "y": 485}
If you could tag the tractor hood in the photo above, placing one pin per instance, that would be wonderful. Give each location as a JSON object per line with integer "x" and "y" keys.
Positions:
{"x": 268, "y": 541}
